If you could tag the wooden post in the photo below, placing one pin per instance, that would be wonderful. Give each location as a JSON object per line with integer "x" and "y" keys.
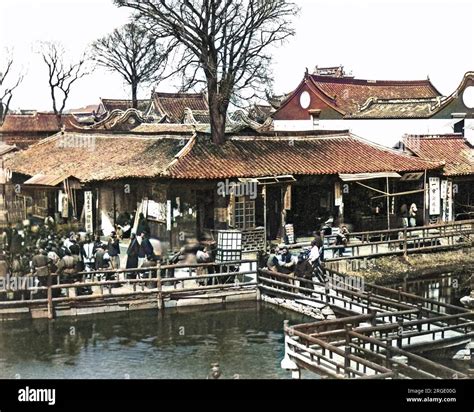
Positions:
{"x": 425, "y": 214}
{"x": 264, "y": 194}
{"x": 395, "y": 369}
{"x": 400, "y": 333}
{"x": 471, "y": 354}
{"x": 327, "y": 290}
{"x": 419, "y": 316}
{"x": 347, "y": 350}
{"x": 388, "y": 205}
{"x": 405, "y": 243}
{"x": 159, "y": 287}
{"x": 388, "y": 353}
{"x": 369, "y": 295}
{"x": 373, "y": 319}
{"x": 50, "y": 297}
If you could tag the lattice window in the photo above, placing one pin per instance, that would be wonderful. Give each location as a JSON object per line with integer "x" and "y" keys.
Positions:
{"x": 244, "y": 213}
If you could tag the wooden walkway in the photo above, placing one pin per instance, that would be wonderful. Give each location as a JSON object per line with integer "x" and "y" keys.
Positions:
{"x": 373, "y": 244}
{"x": 381, "y": 332}
{"x": 133, "y": 289}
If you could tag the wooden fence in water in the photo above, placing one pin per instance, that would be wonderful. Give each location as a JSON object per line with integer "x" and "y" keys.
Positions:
{"x": 382, "y": 332}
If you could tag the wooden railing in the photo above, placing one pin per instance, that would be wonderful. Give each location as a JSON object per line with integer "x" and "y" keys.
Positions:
{"x": 401, "y": 241}
{"x": 380, "y": 325}
{"x": 146, "y": 282}
{"x": 348, "y": 351}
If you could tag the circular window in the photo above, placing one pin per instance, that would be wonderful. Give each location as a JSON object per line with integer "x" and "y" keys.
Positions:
{"x": 305, "y": 100}
{"x": 468, "y": 97}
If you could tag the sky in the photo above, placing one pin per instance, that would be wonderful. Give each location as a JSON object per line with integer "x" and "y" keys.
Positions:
{"x": 403, "y": 39}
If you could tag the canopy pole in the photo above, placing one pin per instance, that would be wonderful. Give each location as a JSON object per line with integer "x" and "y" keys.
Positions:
{"x": 424, "y": 199}
{"x": 264, "y": 193}
{"x": 372, "y": 188}
{"x": 388, "y": 205}
{"x": 409, "y": 192}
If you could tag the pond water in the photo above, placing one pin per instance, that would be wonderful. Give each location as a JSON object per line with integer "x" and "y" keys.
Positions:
{"x": 446, "y": 288}
{"x": 246, "y": 339}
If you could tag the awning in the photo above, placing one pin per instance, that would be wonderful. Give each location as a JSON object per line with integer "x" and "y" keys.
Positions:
{"x": 366, "y": 176}
{"x": 267, "y": 180}
{"x": 51, "y": 181}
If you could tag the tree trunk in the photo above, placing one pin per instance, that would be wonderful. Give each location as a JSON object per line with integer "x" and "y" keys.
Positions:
{"x": 218, "y": 114}
{"x": 59, "y": 120}
{"x": 134, "y": 96}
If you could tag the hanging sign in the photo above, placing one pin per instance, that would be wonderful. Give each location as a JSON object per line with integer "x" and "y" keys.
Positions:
{"x": 65, "y": 207}
{"x": 435, "y": 198}
{"x": 449, "y": 202}
{"x": 337, "y": 194}
{"x": 88, "y": 217}
{"x": 287, "y": 198}
{"x": 156, "y": 211}
{"x": 444, "y": 188}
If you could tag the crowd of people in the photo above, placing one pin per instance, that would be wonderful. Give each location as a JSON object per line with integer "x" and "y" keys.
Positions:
{"x": 38, "y": 250}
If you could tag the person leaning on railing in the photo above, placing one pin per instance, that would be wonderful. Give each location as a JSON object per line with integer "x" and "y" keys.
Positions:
{"x": 203, "y": 256}
{"x": 342, "y": 239}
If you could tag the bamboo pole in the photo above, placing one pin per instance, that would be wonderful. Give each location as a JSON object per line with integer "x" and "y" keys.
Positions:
{"x": 388, "y": 205}
{"x": 264, "y": 193}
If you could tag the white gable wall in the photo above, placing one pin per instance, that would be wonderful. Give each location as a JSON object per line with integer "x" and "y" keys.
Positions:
{"x": 386, "y": 132}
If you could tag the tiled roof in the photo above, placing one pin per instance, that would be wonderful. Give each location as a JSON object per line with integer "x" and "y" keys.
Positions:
{"x": 173, "y": 105}
{"x": 38, "y": 122}
{"x": 93, "y": 157}
{"x": 123, "y": 104}
{"x": 398, "y": 108}
{"x": 455, "y": 150}
{"x": 349, "y": 94}
{"x": 267, "y": 156}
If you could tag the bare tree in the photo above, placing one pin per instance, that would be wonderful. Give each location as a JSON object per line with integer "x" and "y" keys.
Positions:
{"x": 61, "y": 76}
{"x": 7, "y": 87}
{"x": 225, "y": 43}
{"x": 133, "y": 53}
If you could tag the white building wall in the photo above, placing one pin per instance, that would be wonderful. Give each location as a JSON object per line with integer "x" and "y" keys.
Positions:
{"x": 386, "y": 132}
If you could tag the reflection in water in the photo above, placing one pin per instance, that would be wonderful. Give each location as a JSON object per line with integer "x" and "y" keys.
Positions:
{"x": 446, "y": 288}
{"x": 245, "y": 339}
